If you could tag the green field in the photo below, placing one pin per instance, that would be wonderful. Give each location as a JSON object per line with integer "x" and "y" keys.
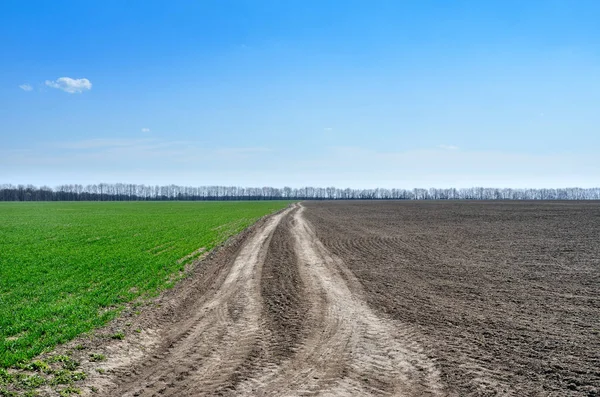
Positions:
{"x": 66, "y": 268}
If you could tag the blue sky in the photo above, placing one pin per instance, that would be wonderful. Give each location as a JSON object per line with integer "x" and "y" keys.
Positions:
{"x": 344, "y": 93}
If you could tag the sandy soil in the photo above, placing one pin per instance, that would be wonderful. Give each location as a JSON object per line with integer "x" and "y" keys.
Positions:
{"x": 376, "y": 298}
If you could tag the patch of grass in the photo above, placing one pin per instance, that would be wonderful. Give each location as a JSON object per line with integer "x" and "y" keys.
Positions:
{"x": 38, "y": 365}
{"x": 95, "y": 357}
{"x": 67, "y": 268}
{"x": 5, "y": 377}
{"x": 118, "y": 335}
{"x": 21, "y": 383}
{"x": 7, "y": 393}
{"x": 67, "y": 362}
{"x": 59, "y": 358}
{"x": 66, "y": 377}
{"x": 29, "y": 381}
{"x": 66, "y": 392}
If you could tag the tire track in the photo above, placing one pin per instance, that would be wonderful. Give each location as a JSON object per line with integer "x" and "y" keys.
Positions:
{"x": 289, "y": 319}
{"x": 219, "y": 340}
{"x": 349, "y": 350}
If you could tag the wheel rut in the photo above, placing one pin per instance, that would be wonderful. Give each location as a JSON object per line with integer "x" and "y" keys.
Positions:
{"x": 289, "y": 319}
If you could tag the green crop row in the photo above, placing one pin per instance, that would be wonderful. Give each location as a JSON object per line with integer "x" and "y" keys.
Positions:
{"x": 66, "y": 268}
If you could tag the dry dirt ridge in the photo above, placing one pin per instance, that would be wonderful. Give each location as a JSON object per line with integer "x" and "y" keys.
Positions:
{"x": 279, "y": 315}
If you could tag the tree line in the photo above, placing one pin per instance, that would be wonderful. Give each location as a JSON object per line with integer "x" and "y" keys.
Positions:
{"x": 134, "y": 192}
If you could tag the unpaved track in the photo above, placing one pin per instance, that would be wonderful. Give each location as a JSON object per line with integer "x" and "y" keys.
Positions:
{"x": 289, "y": 319}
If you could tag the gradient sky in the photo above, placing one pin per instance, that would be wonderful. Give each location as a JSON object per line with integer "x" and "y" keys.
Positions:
{"x": 344, "y": 93}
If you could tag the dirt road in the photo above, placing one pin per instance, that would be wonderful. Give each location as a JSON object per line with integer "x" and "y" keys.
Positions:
{"x": 286, "y": 318}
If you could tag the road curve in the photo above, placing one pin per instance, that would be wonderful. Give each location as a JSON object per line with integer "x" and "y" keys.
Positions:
{"x": 289, "y": 319}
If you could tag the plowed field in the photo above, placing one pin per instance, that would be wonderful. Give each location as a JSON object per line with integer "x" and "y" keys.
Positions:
{"x": 505, "y": 297}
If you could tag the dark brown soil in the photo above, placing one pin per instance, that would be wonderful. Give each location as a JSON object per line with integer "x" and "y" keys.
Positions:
{"x": 505, "y": 295}
{"x": 283, "y": 293}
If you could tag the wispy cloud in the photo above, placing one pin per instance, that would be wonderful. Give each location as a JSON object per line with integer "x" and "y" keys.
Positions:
{"x": 26, "y": 87}
{"x": 101, "y": 143}
{"x": 459, "y": 168}
{"x": 190, "y": 162}
{"x": 327, "y": 129}
{"x": 72, "y": 86}
{"x": 145, "y": 129}
{"x": 448, "y": 147}
{"x": 242, "y": 150}
{"x": 125, "y": 150}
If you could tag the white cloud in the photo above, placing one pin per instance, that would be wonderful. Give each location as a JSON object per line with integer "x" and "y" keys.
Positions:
{"x": 72, "y": 86}
{"x": 327, "y": 129}
{"x": 448, "y": 147}
{"x": 26, "y": 87}
{"x": 145, "y": 129}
